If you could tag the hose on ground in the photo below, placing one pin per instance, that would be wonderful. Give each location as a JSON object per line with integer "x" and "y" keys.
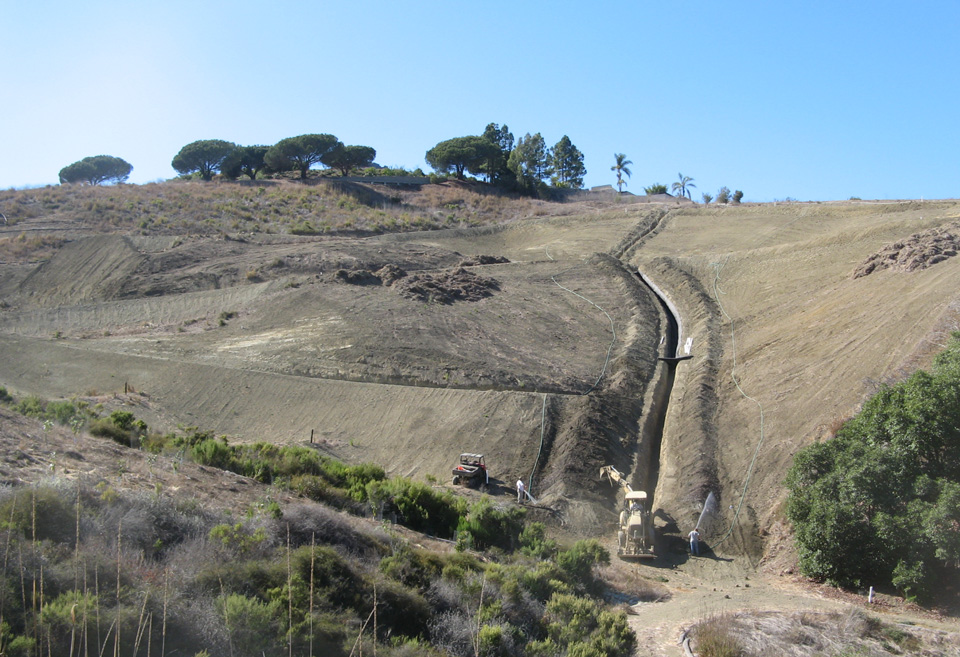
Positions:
{"x": 603, "y": 371}
{"x": 733, "y": 375}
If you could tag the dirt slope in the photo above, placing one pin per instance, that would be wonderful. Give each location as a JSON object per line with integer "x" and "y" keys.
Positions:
{"x": 552, "y": 376}
{"x": 772, "y": 290}
{"x": 264, "y": 339}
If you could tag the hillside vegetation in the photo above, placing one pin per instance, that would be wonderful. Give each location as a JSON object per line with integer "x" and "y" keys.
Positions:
{"x": 267, "y": 207}
{"x": 95, "y": 563}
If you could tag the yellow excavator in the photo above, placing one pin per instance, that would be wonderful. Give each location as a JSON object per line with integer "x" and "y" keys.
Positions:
{"x": 635, "y": 536}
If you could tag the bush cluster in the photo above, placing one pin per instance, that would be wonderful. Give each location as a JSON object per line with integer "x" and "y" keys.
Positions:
{"x": 146, "y": 574}
{"x": 880, "y": 503}
{"x": 154, "y": 574}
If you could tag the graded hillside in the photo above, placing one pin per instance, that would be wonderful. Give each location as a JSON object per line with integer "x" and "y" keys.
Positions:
{"x": 528, "y": 336}
{"x": 787, "y": 340}
{"x": 526, "y": 341}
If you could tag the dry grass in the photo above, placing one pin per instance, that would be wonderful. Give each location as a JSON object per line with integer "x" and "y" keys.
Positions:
{"x": 321, "y": 207}
{"x": 21, "y": 249}
{"x": 713, "y": 638}
{"x": 806, "y": 634}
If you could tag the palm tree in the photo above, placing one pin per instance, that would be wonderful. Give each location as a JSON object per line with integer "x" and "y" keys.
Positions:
{"x": 621, "y": 168}
{"x": 682, "y": 186}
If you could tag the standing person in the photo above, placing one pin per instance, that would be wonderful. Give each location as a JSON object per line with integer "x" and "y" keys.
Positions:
{"x": 520, "y": 491}
{"x": 695, "y": 542}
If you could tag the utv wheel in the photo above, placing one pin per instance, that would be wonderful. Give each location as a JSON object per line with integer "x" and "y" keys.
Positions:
{"x": 456, "y": 481}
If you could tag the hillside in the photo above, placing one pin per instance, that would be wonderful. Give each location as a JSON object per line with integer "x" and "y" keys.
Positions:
{"x": 512, "y": 327}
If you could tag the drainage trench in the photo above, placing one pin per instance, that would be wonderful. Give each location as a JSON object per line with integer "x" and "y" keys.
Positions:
{"x": 646, "y": 469}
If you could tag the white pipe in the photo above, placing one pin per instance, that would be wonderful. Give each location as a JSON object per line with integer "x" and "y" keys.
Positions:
{"x": 673, "y": 309}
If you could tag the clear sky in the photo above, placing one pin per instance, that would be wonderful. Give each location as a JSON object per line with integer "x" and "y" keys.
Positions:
{"x": 807, "y": 99}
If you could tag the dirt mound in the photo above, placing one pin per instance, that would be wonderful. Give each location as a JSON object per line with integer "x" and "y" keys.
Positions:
{"x": 919, "y": 251}
{"x": 446, "y": 287}
{"x": 472, "y": 261}
{"x": 390, "y": 274}
{"x": 358, "y": 277}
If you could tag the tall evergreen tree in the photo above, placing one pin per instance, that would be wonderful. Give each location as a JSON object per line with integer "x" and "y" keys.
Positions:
{"x": 529, "y": 162}
{"x": 496, "y": 167}
{"x": 566, "y": 161}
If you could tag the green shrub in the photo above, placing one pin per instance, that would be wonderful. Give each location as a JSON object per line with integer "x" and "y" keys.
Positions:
{"x": 61, "y": 412}
{"x": 586, "y": 628}
{"x": 354, "y": 478}
{"x": 21, "y": 646}
{"x": 31, "y": 406}
{"x": 879, "y": 503}
{"x": 417, "y": 505}
{"x": 544, "y": 580}
{"x": 578, "y": 561}
{"x": 48, "y": 511}
{"x": 5, "y": 397}
{"x": 490, "y": 526}
{"x": 252, "y": 624}
{"x": 534, "y": 541}
{"x": 237, "y": 538}
{"x": 123, "y": 420}
{"x": 104, "y": 428}
{"x": 216, "y": 453}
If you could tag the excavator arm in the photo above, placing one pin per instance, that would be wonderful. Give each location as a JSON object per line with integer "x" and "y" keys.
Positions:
{"x": 613, "y": 475}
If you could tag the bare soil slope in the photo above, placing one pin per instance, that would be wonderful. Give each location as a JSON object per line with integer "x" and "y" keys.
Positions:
{"x": 787, "y": 341}
{"x": 282, "y": 338}
{"x": 555, "y": 373}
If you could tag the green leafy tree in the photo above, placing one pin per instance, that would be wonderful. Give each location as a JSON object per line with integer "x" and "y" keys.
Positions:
{"x": 723, "y": 195}
{"x": 621, "y": 167}
{"x": 301, "y": 152}
{"x": 461, "y": 154}
{"x": 96, "y": 169}
{"x": 737, "y": 196}
{"x": 529, "y": 162}
{"x": 880, "y": 502}
{"x": 682, "y": 187}
{"x": 346, "y": 158}
{"x": 566, "y": 163}
{"x": 244, "y": 160}
{"x": 941, "y": 523}
{"x": 655, "y": 188}
{"x": 204, "y": 157}
{"x": 707, "y": 198}
{"x": 496, "y": 167}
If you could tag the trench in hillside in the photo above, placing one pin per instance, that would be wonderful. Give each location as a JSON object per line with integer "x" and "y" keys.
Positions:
{"x": 646, "y": 469}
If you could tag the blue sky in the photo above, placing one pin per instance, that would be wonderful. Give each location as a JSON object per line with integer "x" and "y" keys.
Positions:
{"x": 803, "y": 99}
